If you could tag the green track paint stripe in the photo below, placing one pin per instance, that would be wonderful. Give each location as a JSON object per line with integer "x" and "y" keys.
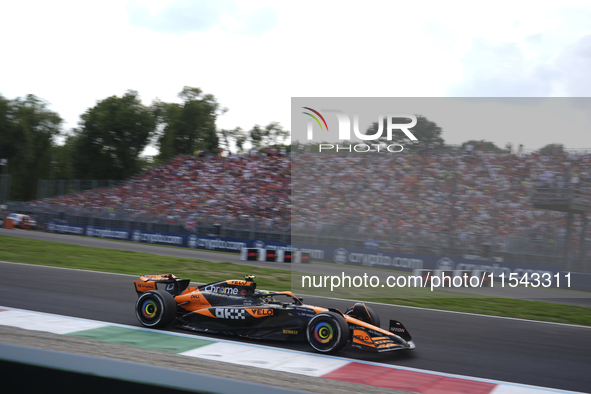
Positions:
{"x": 142, "y": 339}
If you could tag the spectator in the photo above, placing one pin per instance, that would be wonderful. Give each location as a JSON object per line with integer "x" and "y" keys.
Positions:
{"x": 396, "y": 199}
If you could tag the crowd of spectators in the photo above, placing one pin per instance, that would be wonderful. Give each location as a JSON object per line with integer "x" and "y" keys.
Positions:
{"x": 195, "y": 190}
{"x": 462, "y": 197}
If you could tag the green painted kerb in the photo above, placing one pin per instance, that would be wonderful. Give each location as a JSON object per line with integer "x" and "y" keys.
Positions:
{"x": 142, "y": 339}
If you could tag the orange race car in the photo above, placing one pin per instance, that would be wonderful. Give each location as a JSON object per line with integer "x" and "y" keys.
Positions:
{"x": 236, "y": 307}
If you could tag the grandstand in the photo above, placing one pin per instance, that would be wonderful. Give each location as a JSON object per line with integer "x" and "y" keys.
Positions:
{"x": 449, "y": 203}
{"x": 204, "y": 195}
{"x": 484, "y": 204}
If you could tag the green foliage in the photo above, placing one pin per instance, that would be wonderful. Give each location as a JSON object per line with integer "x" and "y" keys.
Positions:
{"x": 240, "y": 139}
{"x": 168, "y": 117}
{"x": 28, "y": 129}
{"x": 256, "y": 136}
{"x": 147, "y": 163}
{"x": 11, "y": 141}
{"x": 63, "y": 167}
{"x": 482, "y": 145}
{"x": 56, "y": 254}
{"x": 112, "y": 136}
{"x": 236, "y": 136}
{"x": 270, "y": 135}
{"x": 187, "y": 127}
{"x": 552, "y": 149}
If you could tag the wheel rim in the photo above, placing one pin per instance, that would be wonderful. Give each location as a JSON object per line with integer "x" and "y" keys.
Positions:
{"x": 149, "y": 310}
{"x": 324, "y": 335}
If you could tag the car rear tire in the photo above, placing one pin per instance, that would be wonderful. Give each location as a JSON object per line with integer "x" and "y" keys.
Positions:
{"x": 328, "y": 332}
{"x": 373, "y": 319}
{"x": 155, "y": 308}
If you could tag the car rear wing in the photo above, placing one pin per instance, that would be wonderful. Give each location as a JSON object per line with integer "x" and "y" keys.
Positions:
{"x": 168, "y": 282}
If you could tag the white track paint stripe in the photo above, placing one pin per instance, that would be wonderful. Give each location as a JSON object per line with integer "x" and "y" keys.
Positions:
{"x": 311, "y": 365}
{"x": 510, "y": 389}
{"x": 53, "y": 324}
{"x": 240, "y": 354}
{"x": 271, "y": 359}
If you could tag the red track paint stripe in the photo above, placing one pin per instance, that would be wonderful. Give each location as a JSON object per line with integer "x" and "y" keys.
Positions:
{"x": 3, "y": 310}
{"x": 398, "y": 379}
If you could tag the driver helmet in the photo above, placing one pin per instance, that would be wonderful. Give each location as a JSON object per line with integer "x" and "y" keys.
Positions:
{"x": 265, "y": 299}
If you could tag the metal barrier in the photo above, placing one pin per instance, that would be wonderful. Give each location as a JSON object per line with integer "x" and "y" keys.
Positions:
{"x": 215, "y": 226}
{"x": 567, "y": 194}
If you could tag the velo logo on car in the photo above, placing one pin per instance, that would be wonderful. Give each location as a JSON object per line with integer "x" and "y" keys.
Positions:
{"x": 344, "y": 130}
{"x": 260, "y": 312}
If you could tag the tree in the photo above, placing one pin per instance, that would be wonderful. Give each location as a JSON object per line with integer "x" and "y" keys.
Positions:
{"x": 270, "y": 135}
{"x": 233, "y": 136}
{"x": 189, "y": 126}
{"x": 63, "y": 154}
{"x": 256, "y": 135}
{"x": 275, "y": 134}
{"x": 552, "y": 149}
{"x": 168, "y": 117}
{"x": 427, "y": 133}
{"x": 240, "y": 140}
{"x": 11, "y": 140}
{"x": 482, "y": 145}
{"x": 112, "y": 136}
{"x": 28, "y": 129}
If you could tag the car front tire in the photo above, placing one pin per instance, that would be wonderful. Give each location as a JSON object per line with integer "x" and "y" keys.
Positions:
{"x": 327, "y": 332}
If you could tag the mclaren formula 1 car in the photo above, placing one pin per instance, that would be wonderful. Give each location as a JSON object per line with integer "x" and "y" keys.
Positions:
{"x": 237, "y": 307}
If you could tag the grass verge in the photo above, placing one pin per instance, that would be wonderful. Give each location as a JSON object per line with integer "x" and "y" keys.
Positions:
{"x": 56, "y": 254}
{"x": 30, "y": 251}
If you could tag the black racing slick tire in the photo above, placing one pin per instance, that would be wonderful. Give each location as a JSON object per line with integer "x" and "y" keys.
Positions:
{"x": 155, "y": 308}
{"x": 328, "y": 332}
{"x": 373, "y": 319}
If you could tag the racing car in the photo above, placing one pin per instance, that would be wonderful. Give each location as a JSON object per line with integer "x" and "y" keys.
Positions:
{"x": 237, "y": 307}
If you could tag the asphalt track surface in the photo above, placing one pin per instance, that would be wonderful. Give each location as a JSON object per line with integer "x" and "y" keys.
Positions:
{"x": 536, "y": 353}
